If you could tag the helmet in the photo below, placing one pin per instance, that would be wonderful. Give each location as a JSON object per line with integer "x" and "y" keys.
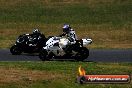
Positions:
{"x": 35, "y": 31}
{"x": 66, "y": 28}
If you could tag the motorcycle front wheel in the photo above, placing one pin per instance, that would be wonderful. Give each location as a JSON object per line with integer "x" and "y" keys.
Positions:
{"x": 82, "y": 54}
{"x": 15, "y": 50}
{"x": 43, "y": 55}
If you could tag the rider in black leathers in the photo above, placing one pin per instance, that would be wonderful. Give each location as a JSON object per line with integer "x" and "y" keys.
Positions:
{"x": 36, "y": 38}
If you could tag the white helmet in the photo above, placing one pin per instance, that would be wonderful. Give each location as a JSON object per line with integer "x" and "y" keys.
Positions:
{"x": 66, "y": 28}
{"x": 36, "y": 31}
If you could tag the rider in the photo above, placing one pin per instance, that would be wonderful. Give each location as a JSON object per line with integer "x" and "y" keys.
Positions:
{"x": 70, "y": 33}
{"x": 36, "y": 37}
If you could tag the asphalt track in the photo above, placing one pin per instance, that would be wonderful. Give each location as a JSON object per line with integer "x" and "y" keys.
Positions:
{"x": 96, "y": 55}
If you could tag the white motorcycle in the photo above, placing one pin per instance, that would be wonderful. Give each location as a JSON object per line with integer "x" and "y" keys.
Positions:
{"x": 58, "y": 47}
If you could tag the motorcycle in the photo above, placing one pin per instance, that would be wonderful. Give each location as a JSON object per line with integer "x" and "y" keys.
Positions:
{"x": 59, "y": 47}
{"x": 25, "y": 43}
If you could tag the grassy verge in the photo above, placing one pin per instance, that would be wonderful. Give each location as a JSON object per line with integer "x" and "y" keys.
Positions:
{"x": 102, "y": 36}
{"x": 107, "y": 22}
{"x": 57, "y": 74}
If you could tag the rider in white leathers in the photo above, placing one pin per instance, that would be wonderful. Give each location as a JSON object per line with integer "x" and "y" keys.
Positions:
{"x": 70, "y": 33}
{"x": 71, "y": 36}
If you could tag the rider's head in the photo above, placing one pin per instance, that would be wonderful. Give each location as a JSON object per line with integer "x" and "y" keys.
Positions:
{"x": 66, "y": 28}
{"x": 35, "y": 31}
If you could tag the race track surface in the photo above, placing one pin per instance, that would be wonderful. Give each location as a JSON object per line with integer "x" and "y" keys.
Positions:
{"x": 96, "y": 55}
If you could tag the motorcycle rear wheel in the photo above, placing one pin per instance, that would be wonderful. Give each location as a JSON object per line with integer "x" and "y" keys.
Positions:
{"x": 15, "y": 50}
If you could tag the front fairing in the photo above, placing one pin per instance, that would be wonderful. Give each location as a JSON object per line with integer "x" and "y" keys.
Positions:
{"x": 87, "y": 41}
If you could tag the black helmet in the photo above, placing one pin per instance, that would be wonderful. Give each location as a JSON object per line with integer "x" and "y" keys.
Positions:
{"x": 66, "y": 28}
{"x": 36, "y": 31}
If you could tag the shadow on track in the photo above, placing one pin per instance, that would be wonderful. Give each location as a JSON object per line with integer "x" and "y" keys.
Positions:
{"x": 68, "y": 60}
{"x": 30, "y": 54}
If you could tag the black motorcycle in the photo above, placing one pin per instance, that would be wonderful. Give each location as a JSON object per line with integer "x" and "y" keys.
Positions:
{"x": 26, "y": 43}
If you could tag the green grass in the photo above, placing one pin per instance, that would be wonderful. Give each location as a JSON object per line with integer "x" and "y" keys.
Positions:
{"x": 64, "y": 74}
{"x": 32, "y": 11}
{"x": 107, "y": 22}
